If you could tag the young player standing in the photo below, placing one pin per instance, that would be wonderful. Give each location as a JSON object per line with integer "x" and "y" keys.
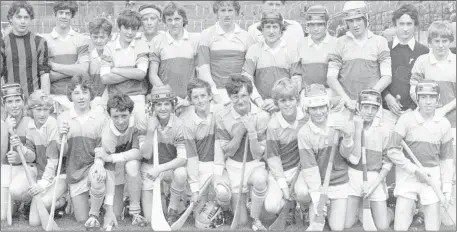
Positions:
{"x": 315, "y": 141}
{"x": 429, "y": 137}
{"x": 237, "y": 124}
{"x": 172, "y": 152}
{"x": 361, "y": 59}
{"x": 222, "y": 49}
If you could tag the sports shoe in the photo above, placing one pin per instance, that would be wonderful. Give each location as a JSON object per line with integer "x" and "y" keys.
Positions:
{"x": 138, "y": 220}
{"x": 257, "y": 225}
{"x": 172, "y": 216}
{"x": 92, "y": 223}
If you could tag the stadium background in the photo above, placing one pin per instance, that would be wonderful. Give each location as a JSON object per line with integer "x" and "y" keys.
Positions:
{"x": 200, "y": 13}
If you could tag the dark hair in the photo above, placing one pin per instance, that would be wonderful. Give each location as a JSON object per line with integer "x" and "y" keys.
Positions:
{"x": 66, "y": 5}
{"x": 100, "y": 24}
{"x": 129, "y": 19}
{"x": 84, "y": 82}
{"x": 173, "y": 7}
{"x": 282, "y": 25}
{"x": 121, "y": 102}
{"x": 198, "y": 83}
{"x": 17, "y": 6}
{"x": 145, "y": 6}
{"x": 236, "y": 83}
{"x": 218, "y": 4}
{"x": 283, "y": 2}
{"x": 408, "y": 9}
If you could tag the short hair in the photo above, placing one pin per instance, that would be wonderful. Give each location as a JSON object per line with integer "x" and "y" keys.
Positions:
{"x": 129, "y": 19}
{"x": 145, "y": 6}
{"x": 440, "y": 29}
{"x": 236, "y": 83}
{"x": 198, "y": 83}
{"x": 84, "y": 82}
{"x": 66, "y": 5}
{"x": 100, "y": 24}
{"x": 173, "y": 7}
{"x": 408, "y": 9}
{"x": 284, "y": 88}
{"x": 218, "y": 4}
{"x": 121, "y": 102}
{"x": 283, "y": 2}
{"x": 17, "y": 6}
{"x": 282, "y": 25}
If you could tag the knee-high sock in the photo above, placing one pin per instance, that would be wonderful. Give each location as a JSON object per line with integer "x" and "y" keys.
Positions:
{"x": 258, "y": 198}
{"x": 96, "y": 200}
{"x": 134, "y": 189}
{"x": 176, "y": 192}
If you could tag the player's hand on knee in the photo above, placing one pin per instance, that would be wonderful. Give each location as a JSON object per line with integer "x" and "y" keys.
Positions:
{"x": 35, "y": 190}
{"x": 13, "y": 157}
{"x": 99, "y": 172}
{"x": 153, "y": 173}
{"x": 422, "y": 175}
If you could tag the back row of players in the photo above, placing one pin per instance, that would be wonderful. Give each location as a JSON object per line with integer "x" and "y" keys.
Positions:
{"x": 274, "y": 80}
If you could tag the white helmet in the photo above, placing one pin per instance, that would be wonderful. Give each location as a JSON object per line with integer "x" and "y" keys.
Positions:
{"x": 355, "y": 9}
{"x": 210, "y": 216}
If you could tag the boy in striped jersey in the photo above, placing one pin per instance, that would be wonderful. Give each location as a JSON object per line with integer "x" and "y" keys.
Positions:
{"x": 315, "y": 141}
{"x": 68, "y": 53}
{"x": 429, "y": 137}
{"x": 239, "y": 123}
{"x": 41, "y": 133}
{"x": 282, "y": 147}
{"x": 121, "y": 149}
{"x": 172, "y": 152}
{"x": 222, "y": 49}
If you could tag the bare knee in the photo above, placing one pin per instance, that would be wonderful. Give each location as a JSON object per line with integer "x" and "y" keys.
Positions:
{"x": 302, "y": 195}
{"x": 180, "y": 175}
{"x": 259, "y": 178}
{"x": 132, "y": 167}
{"x": 223, "y": 194}
{"x": 272, "y": 205}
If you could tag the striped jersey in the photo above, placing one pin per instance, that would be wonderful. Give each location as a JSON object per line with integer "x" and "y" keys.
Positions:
{"x": 359, "y": 65}
{"x": 314, "y": 60}
{"x": 443, "y": 72}
{"x": 83, "y": 137}
{"x": 70, "y": 50}
{"x": 176, "y": 60}
{"x": 25, "y": 60}
{"x": 223, "y": 52}
{"x": 171, "y": 141}
{"x": 226, "y": 120}
{"x": 282, "y": 145}
{"x": 293, "y": 33}
{"x": 265, "y": 65}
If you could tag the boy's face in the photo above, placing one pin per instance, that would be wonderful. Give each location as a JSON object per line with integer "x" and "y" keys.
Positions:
{"x": 240, "y": 100}
{"x": 81, "y": 98}
{"x": 149, "y": 20}
{"x": 175, "y": 23}
{"x": 14, "y": 105}
{"x": 271, "y": 32}
{"x": 427, "y": 102}
{"x": 20, "y": 22}
{"x": 318, "y": 114}
{"x": 121, "y": 119}
{"x": 127, "y": 35}
{"x": 356, "y": 26}
{"x": 40, "y": 114}
{"x": 226, "y": 14}
{"x": 200, "y": 99}
{"x": 440, "y": 46}
{"x": 63, "y": 18}
{"x": 405, "y": 27}
{"x": 368, "y": 112}
{"x": 163, "y": 109}
{"x": 100, "y": 39}
{"x": 287, "y": 105}
{"x": 317, "y": 30}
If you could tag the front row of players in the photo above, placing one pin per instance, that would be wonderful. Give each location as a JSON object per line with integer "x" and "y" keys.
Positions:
{"x": 105, "y": 150}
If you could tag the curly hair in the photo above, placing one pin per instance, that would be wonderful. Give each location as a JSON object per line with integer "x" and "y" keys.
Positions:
{"x": 17, "y": 6}
{"x": 171, "y": 8}
{"x": 218, "y": 4}
{"x": 129, "y": 19}
{"x": 236, "y": 83}
{"x": 66, "y": 5}
{"x": 84, "y": 82}
{"x": 121, "y": 102}
{"x": 284, "y": 88}
{"x": 198, "y": 83}
{"x": 100, "y": 24}
{"x": 408, "y": 9}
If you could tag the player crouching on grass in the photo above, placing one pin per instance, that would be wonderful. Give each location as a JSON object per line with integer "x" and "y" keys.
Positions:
{"x": 429, "y": 137}
{"x": 282, "y": 153}
{"x": 86, "y": 173}
{"x": 376, "y": 136}
{"x": 315, "y": 140}
{"x": 172, "y": 152}
{"x": 236, "y": 124}
{"x": 121, "y": 149}
{"x": 40, "y": 135}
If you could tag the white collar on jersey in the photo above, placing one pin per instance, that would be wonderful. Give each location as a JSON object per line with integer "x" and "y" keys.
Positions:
{"x": 411, "y": 43}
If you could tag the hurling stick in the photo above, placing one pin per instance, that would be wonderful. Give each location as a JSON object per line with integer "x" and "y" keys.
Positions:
{"x": 158, "y": 221}
{"x": 435, "y": 186}
{"x": 367, "y": 218}
{"x": 319, "y": 219}
{"x": 9, "y": 209}
{"x": 59, "y": 167}
{"x": 42, "y": 212}
{"x": 281, "y": 220}
{"x": 180, "y": 222}
{"x": 236, "y": 217}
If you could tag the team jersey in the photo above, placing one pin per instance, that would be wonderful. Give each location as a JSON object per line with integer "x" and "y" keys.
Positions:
{"x": 21, "y": 131}
{"x": 359, "y": 65}
{"x": 70, "y": 50}
{"x": 226, "y": 119}
{"x": 176, "y": 60}
{"x": 223, "y": 52}
{"x": 282, "y": 146}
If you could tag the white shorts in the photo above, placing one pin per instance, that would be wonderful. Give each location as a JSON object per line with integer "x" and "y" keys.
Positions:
{"x": 356, "y": 185}
{"x": 80, "y": 187}
{"x": 9, "y": 172}
{"x": 205, "y": 171}
{"x": 409, "y": 187}
{"x": 62, "y": 103}
{"x": 148, "y": 184}
{"x": 338, "y": 191}
{"x": 234, "y": 173}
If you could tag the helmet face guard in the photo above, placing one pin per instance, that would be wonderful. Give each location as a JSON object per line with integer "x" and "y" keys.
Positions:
{"x": 355, "y": 13}
{"x": 315, "y": 96}
{"x": 427, "y": 88}
{"x": 316, "y": 18}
